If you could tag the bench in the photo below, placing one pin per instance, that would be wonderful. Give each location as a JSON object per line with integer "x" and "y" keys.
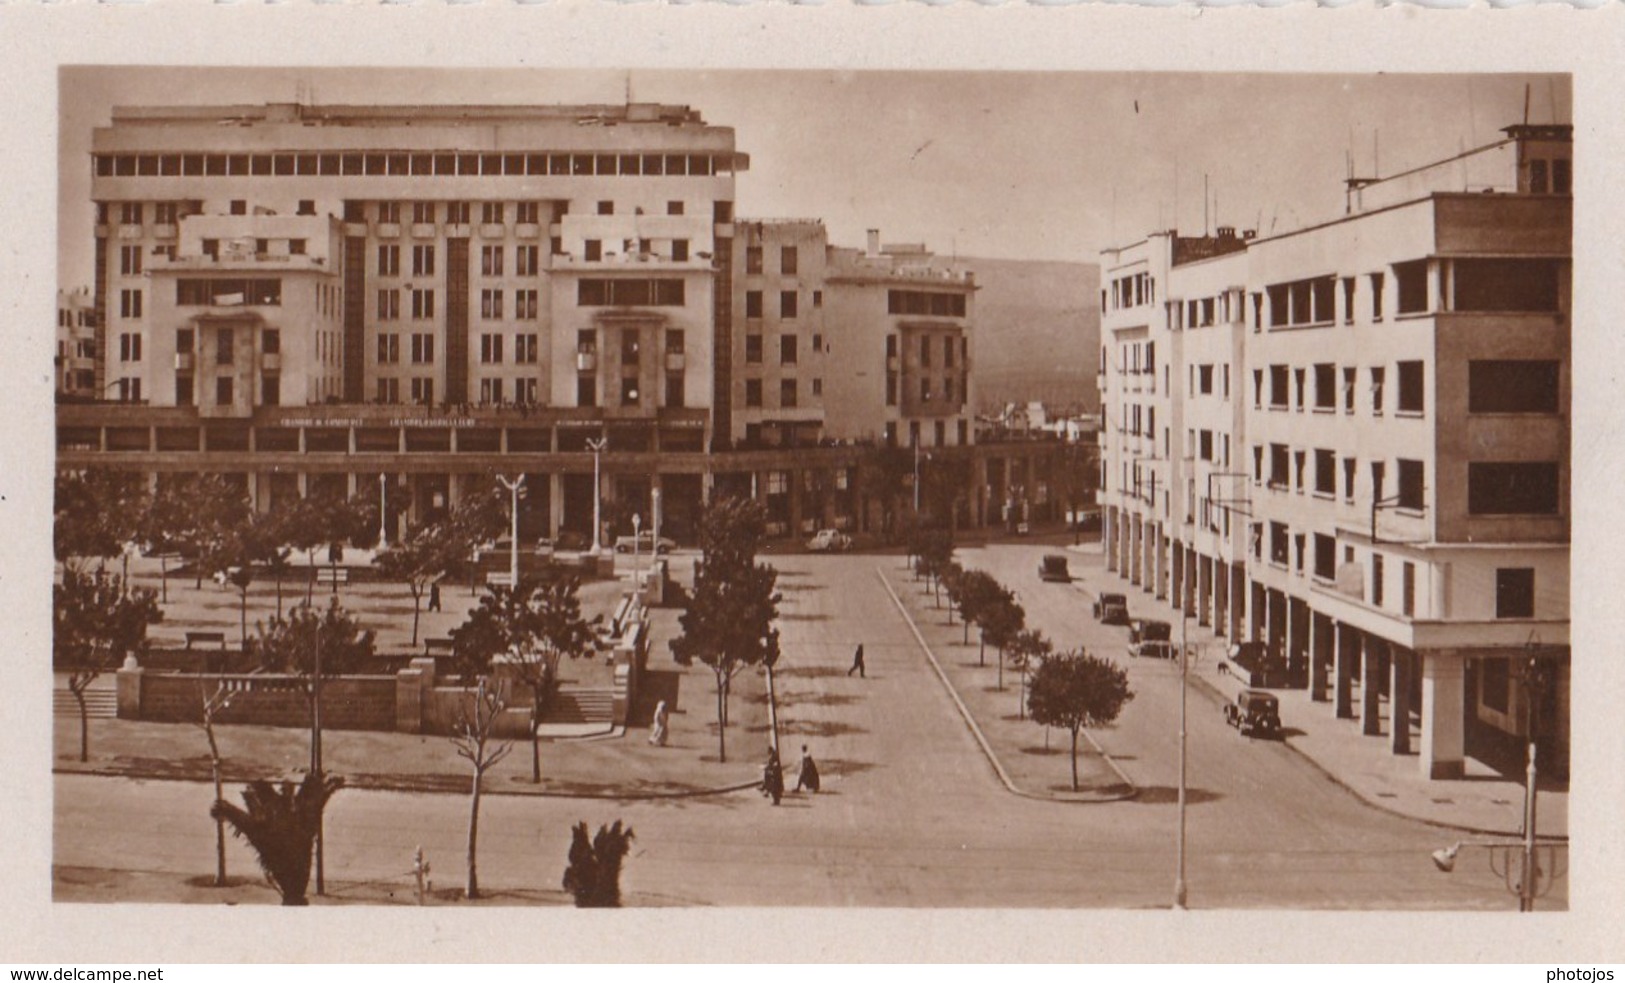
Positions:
{"x": 215, "y": 638}
{"x": 433, "y": 647}
{"x": 332, "y": 576}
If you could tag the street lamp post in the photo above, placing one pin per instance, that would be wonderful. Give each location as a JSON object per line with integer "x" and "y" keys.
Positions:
{"x": 513, "y": 545}
{"x": 1184, "y": 665}
{"x": 316, "y": 749}
{"x": 637, "y": 526}
{"x": 383, "y": 513}
{"x": 597, "y": 447}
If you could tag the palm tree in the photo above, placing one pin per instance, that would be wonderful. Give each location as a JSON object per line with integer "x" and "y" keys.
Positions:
{"x": 280, "y": 824}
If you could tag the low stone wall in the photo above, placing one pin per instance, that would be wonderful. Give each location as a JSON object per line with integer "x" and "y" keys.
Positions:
{"x": 348, "y": 702}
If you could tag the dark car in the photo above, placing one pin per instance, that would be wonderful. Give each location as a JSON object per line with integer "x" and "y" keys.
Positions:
{"x": 1255, "y": 665}
{"x": 1147, "y": 630}
{"x": 1112, "y": 609}
{"x": 1053, "y": 567}
{"x": 1254, "y": 714}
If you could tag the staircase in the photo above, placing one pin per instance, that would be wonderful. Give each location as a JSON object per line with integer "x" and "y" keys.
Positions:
{"x": 581, "y": 706}
{"x": 98, "y": 703}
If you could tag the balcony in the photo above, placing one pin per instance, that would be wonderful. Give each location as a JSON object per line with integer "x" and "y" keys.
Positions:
{"x": 493, "y": 230}
{"x": 271, "y": 361}
{"x": 527, "y": 230}
{"x": 387, "y": 230}
{"x": 586, "y": 361}
{"x": 185, "y": 361}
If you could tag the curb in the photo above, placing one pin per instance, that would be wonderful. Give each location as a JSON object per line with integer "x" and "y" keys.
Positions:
{"x": 981, "y": 739}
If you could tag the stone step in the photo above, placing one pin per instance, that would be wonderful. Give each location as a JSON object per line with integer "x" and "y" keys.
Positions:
{"x": 98, "y": 703}
{"x": 581, "y": 706}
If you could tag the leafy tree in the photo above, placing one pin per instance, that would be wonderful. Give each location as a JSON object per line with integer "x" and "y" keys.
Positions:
{"x": 526, "y": 628}
{"x": 1001, "y": 623}
{"x": 1029, "y": 648}
{"x": 977, "y": 590}
{"x": 952, "y": 578}
{"x": 96, "y": 513}
{"x": 289, "y": 645}
{"x": 213, "y": 511}
{"x": 934, "y": 549}
{"x": 729, "y": 620}
{"x": 96, "y": 622}
{"x": 161, "y": 527}
{"x": 417, "y": 561}
{"x": 475, "y": 744}
{"x": 594, "y": 873}
{"x": 210, "y": 705}
{"x": 281, "y": 825}
{"x": 1076, "y": 690}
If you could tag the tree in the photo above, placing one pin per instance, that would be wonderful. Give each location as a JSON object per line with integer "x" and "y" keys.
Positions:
{"x": 210, "y": 706}
{"x": 729, "y": 620}
{"x": 594, "y": 873}
{"x": 1076, "y": 690}
{"x": 417, "y": 561}
{"x": 474, "y": 743}
{"x": 281, "y": 824}
{"x": 935, "y": 550}
{"x": 977, "y": 592}
{"x": 952, "y": 576}
{"x": 1029, "y": 648}
{"x": 96, "y": 513}
{"x": 213, "y": 510}
{"x": 528, "y": 628}
{"x": 289, "y": 645}
{"x": 1001, "y": 622}
{"x": 161, "y": 527}
{"x": 96, "y": 622}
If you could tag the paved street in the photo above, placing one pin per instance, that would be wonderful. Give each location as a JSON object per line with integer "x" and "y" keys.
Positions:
{"x": 911, "y": 814}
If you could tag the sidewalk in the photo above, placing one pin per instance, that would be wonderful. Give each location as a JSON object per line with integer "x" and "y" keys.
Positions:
{"x": 1482, "y": 803}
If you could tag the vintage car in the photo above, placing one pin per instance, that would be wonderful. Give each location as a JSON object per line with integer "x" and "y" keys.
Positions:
{"x": 1254, "y": 714}
{"x": 644, "y": 541}
{"x": 1111, "y": 609}
{"x": 1153, "y": 650}
{"x": 1053, "y": 567}
{"x": 1151, "y": 640}
{"x": 1255, "y": 665}
{"x": 829, "y": 541}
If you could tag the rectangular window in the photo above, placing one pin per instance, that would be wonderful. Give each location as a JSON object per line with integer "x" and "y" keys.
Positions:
{"x": 271, "y": 341}
{"x": 1562, "y": 176}
{"x": 1280, "y": 466}
{"x": 1258, "y": 388}
{"x": 389, "y": 305}
{"x": 630, "y": 292}
{"x": 525, "y": 305}
{"x": 1407, "y": 589}
{"x": 606, "y": 208}
{"x": 818, "y": 299}
{"x": 1410, "y": 387}
{"x": 1411, "y": 491}
{"x": 129, "y": 260}
{"x": 1325, "y": 472}
{"x": 787, "y": 260}
{"x": 224, "y": 390}
{"x": 422, "y": 260}
{"x": 753, "y": 259}
{"x": 1348, "y": 300}
{"x": 422, "y": 305}
{"x": 1298, "y": 377}
{"x": 389, "y": 260}
{"x": 129, "y": 347}
{"x": 1376, "y": 579}
{"x": 753, "y": 349}
{"x": 1412, "y": 281}
{"x": 1505, "y": 285}
{"x": 457, "y": 211}
{"x": 1280, "y": 544}
{"x": 423, "y": 212}
{"x": 679, "y": 250}
{"x": 1512, "y": 488}
{"x": 527, "y": 260}
{"x": 925, "y": 302}
{"x": 130, "y": 303}
{"x": 389, "y": 349}
{"x": 1515, "y": 592}
{"x": 592, "y": 250}
{"x": 1376, "y": 296}
{"x": 631, "y": 346}
{"x": 491, "y": 260}
{"x": 389, "y": 212}
{"x": 1325, "y": 556}
{"x": 389, "y": 390}
{"x": 1279, "y": 382}
{"x": 491, "y": 212}
{"x": 1537, "y": 177}
{"x": 1512, "y": 386}
{"x": 674, "y": 208}
{"x": 422, "y": 349}
{"x": 423, "y": 390}
{"x": 1325, "y": 386}
{"x": 753, "y": 392}
{"x": 224, "y": 345}
{"x": 184, "y": 341}
{"x": 1377, "y": 378}
{"x": 270, "y": 390}
{"x": 183, "y": 390}
{"x": 1350, "y": 467}
{"x": 753, "y": 303}
{"x": 586, "y": 390}
{"x": 1348, "y": 390}
{"x": 787, "y": 394}
{"x": 491, "y": 305}
{"x": 525, "y": 351}
{"x": 674, "y": 390}
{"x": 491, "y": 349}
{"x": 130, "y": 213}
{"x": 1204, "y": 377}
{"x": 787, "y": 349}
{"x": 947, "y": 352}
{"x": 787, "y": 304}
{"x": 530, "y": 212}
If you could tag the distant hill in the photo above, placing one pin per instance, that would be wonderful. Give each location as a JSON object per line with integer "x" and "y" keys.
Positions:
{"x": 1037, "y": 331}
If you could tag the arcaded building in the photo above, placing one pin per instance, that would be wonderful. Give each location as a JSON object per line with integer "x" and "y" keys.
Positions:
{"x": 1349, "y": 441}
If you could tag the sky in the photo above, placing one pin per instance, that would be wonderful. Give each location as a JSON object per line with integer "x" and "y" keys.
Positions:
{"x": 1017, "y": 165}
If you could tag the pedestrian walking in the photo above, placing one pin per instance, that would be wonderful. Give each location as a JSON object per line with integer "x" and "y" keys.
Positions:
{"x": 807, "y": 777}
{"x": 857, "y": 663}
{"x": 434, "y": 597}
{"x": 773, "y": 777}
{"x": 657, "y": 732}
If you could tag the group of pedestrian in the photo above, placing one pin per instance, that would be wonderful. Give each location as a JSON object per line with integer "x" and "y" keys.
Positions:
{"x": 773, "y": 774}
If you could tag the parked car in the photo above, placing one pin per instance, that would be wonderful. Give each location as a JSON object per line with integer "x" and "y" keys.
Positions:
{"x": 1151, "y": 639}
{"x": 1254, "y": 714}
{"x": 1153, "y": 650}
{"x": 644, "y": 541}
{"x": 829, "y": 541}
{"x": 1086, "y": 520}
{"x": 1053, "y": 568}
{"x": 1112, "y": 609}
{"x": 1255, "y": 665}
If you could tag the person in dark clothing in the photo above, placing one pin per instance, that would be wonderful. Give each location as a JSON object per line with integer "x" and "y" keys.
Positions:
{"x": 857, "y": 664}
{"x": 434, "y": 597}
{"x": 773, "y": 777}
{"x": 808, "y": 776}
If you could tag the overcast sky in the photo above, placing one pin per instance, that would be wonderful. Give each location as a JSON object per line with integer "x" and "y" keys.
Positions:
{"x": 1018, "y": 165}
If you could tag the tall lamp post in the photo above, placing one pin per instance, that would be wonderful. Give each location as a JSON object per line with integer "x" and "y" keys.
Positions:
{"x": 637, "y": 527}
{"x": 383, "y": 513}
{"x": 513, "y": 545}
{"x": 316, "y": 749}
{"x": 1184, "y": 665}
{"x": 597, "y": 447}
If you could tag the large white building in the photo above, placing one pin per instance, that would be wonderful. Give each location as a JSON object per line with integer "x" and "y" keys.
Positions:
{"x": 1350, "y": 441}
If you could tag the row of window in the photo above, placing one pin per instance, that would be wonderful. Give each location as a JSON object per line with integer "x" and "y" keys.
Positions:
{"x": 789, "y": 348}
{"x": 934, "y": 303}
{"x": 1134, "y": 290}
{"x": 927, "y": 391}
{"x": 789, "y": 392}
{"x": 789, "y": 303}
{"x": 1493, "y": 386}
{"x": 788, "y": 260}
{"x": 377, "y": 164}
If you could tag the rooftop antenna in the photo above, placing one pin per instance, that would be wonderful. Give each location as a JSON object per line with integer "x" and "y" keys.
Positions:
{"x": 629, "y": 87}
{"x": 1376, "y": 157}
{"x": 1526, "y": 104}
{"x": 1551, "y": 93}
{"x": 1204, "y": 204}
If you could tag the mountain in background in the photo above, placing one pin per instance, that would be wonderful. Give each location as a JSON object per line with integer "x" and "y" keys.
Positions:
{"x": 1037, "y": 329}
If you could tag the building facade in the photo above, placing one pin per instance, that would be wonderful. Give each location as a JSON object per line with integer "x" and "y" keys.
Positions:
{"x": 1350, "y": 442}
{"x": 317, "y": 299}
{"x": 75, "y": 345}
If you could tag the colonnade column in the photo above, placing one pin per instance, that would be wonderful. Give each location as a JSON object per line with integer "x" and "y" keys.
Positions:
{"x": 1320, "y": 654}
{"x": 1346, "y": 653}
{"x": 1399, "y": 698}
{"x": 1444, "y": 709}
{"x": 1371, "y": 686}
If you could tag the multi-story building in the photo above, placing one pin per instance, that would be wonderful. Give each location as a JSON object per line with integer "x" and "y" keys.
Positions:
{"x": 1354, "y": 445}
{"x": 75, "y": 344}
{"x": 308, "y": 298}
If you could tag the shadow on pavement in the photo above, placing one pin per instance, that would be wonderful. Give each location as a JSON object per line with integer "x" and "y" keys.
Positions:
{"x": 1165, "y": 795}
{"x": 813, "y": 728}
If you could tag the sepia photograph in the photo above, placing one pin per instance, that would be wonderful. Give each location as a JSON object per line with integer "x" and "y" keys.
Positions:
{"x": 822, "y": 489}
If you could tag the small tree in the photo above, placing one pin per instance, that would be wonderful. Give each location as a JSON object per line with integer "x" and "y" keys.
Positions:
{"x": 1028, "y": 649}
{"x": 952, "y": 579}
{"x": 594, "y": 873}
{"x": 210, "y": 706}
{"x": 96, "y": 622}
{"x": 935, "y": 550}
{"x": 528, "y": 628}
{"x": 1001, "y": 623}
{"x": 978, "y": 591}
{"x": 1077, "y": 690}
{"x": 417, "y": 561}
{"x": 213, "y": 512}
{"x": 281, "y": 824}
{"x": 96, "y": 513}
{"x": 289, "y": 645}
{"x": 475, "y": 744}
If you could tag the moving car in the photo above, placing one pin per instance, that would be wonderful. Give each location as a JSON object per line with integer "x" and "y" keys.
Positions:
{"x": 829, "y": 541}
{"x": 1053, "y": 567}
{"x": 1112, "y": 609}
{"x": 1151, "y": 639}
{"x": 1255, "y": 665}
{"x": 1254, "y": 714}
{"x": 644, "y": 541}
{"x": 1153, "y": 650}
